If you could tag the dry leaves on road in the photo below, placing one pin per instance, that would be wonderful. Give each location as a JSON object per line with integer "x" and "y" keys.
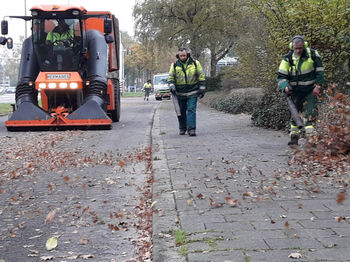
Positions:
{"x": 50, "y": 216}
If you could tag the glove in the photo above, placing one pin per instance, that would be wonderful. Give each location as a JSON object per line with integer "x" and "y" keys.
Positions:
{"x": 172, "y": 89}
{"x": 201, "y": 92}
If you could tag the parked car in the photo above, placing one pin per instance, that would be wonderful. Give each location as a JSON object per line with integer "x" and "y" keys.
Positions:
{"x": 160, "y": 85}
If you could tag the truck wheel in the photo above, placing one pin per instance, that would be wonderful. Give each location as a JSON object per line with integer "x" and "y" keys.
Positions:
{"x": 116, "y": 112}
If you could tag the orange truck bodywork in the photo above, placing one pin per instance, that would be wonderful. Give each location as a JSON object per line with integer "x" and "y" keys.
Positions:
{"x": 59, "y": 114}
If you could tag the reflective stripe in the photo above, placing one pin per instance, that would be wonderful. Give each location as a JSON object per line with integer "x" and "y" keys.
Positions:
{"x": 295, "y": 132}
{"x": 202, "y": 87}
{"x": 319, "y": 69}
{"x": 187, "y": 94}
{"x": 284, "y": 72}
{"x": 309, "y": 129}
{"x": 171, "y": 74}
{"x": 303, "y": 72}
{"x": 303, "y": 83}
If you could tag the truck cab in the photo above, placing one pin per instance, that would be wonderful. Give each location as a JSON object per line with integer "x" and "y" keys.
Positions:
{"x": 160, "y": 85}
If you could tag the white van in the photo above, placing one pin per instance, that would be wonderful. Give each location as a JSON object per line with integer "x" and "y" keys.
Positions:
{"x": 160, "y": 85}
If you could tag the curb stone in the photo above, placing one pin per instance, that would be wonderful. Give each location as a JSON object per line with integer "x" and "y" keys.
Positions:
{"x": 164, "y": 210}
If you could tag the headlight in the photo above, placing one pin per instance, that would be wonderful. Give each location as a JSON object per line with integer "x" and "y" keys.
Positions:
{"x": 73, "y": 85}
{"x": 42, "y": 85}
{"x": 52, "y": 85}
{"x": 63, "y": 85}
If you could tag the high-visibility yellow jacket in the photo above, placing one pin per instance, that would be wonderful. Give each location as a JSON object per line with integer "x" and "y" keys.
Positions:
{"x": 188, "y": 78}
{"x": 147, "y": 86}
{"x": 55, "y": 37}
{"x": 303, "y": 73}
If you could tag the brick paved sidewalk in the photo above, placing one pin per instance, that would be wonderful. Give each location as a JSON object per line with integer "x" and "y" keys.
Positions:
{"x": 226, "y": 196}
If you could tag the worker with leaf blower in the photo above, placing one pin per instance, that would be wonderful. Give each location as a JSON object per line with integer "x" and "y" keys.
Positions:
{"x": 300, "y": 77}
{"x": 187, "y": 83}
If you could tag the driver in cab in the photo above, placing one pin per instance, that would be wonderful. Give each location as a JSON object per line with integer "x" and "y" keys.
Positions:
{"x": 61, "y": 35}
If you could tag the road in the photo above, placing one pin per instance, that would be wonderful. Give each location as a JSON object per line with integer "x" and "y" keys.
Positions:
{"x": 229, "y": 193}
{"x": 7, "y": 98}
{"x": 94, "y": 183}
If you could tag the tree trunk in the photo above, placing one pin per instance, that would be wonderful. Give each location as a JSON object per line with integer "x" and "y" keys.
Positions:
{"x": 213, "y": 63}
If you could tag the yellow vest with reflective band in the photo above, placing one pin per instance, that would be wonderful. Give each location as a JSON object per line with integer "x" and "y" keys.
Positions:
{"x": 187, "y": 77}
{"x": 147, "y": 86}
{"x": 303, "y": 74}
{"x": 54, "y": 37}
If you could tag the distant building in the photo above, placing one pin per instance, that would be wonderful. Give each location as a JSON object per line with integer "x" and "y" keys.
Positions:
{"x": 226, "y": 61}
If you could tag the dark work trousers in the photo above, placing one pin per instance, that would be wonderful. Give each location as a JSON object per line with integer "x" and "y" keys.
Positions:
{"x": 305, "y": 102}
{"x": 188, "y": 107}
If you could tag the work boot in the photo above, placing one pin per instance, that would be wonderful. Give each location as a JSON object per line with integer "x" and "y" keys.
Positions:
{"x": 147, "y": 98}
{"x": 192, "y": 132}
{"x": 182, "y": 132}
{"x": 293, "y": 140}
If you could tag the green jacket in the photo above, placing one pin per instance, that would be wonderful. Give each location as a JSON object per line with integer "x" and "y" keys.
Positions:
{"x": 56, "y": 37}
{"x": 303, "y": 74}
{"x": 187, "y": 77}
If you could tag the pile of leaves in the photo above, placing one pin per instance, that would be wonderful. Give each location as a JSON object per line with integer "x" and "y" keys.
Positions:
{"x": 328, "y": 152}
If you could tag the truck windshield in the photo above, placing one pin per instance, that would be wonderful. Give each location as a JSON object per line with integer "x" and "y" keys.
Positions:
{"x": 160, "y": 80}
{"x": 57, "y": 43}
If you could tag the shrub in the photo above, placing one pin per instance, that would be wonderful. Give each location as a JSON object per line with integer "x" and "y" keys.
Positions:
{"x": 236, "y": 101}
{"x": 271, "y": 112}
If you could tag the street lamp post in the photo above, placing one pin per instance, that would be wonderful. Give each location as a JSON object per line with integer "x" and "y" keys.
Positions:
{"x": 25, "y": 22}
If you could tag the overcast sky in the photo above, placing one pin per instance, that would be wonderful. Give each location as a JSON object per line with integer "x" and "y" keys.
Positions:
{"x": 122, "y": 9}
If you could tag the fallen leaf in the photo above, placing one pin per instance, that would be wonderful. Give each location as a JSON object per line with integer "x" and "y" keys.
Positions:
{"x": 294, "y": 255}
{"x": 232, "y": 171}
{"x": 66, "y": 179}
{"x": 231, "y": 202}
{"x": 199, "y": 158}
{"x": 45, "y": 258}
{"x": 176, "y": 220}
{"x": 200, "y": 196}
{"x": 251, "y": 194}
{"x": 286, "y": 225}
{"x": 84, "y": 241}
{"x": 214, "y": 204}
{"x": 153, "y": 203}
{"x": 121, "y": 164}
{"x": 51, "y": 243}
{"x": 339, "y": 219}
{"x": 50, "y": 216}
{"x": 341, "y": 197}
{"x": 85, "y": 256}
{"x": 189, "y": 202}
